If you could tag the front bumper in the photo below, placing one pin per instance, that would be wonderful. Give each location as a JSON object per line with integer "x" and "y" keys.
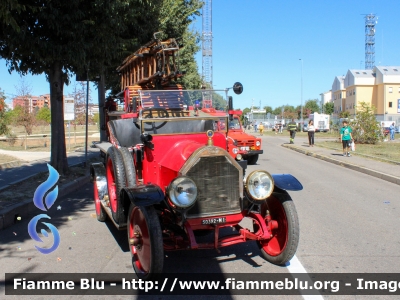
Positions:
{"x": 251, "y": 152}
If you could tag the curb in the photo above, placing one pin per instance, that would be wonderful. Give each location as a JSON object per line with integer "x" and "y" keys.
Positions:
{"x": 11, "y": 164}
{"x": 377, "y": 174}
{"x": 9, "y": 215}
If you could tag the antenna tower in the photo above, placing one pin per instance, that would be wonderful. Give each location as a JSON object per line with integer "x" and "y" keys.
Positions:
{"x": 370, "y": 23}
{"x": 207, "y": 52}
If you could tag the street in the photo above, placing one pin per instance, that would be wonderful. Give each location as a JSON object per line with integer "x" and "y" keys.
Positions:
{"x": 348, "y": 224}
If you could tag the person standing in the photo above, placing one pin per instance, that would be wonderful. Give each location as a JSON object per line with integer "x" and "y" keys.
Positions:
{"x": 311, "y": 132}
{"x": 261, "y": 128}
{"x": 391, "y": 129}
{"x": 255, "y": 127}
{"x": 292, "y": 130}
{"x": 346, "y": 137}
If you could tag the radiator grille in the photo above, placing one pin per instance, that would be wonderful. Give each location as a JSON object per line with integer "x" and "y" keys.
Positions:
{"x": 218, "y": 187}
{"x": 250, "y": 143}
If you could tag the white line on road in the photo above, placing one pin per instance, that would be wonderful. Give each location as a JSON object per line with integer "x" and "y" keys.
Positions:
{"x": 295, "y": 266}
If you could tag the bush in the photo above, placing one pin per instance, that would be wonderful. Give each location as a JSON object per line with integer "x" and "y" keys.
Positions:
{"x": 11, "y": 139}
{"x": 365, "y": 127}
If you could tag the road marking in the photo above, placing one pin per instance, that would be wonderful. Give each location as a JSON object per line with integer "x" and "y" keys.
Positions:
{"x": 295, "y": 266}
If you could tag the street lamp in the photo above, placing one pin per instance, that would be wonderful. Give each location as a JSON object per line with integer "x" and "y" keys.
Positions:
{"x": 301, "y": 107}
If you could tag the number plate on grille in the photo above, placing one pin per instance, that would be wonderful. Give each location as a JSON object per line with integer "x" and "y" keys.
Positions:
{"x": 244, "y": 148}
{"x": 213, "y": 221}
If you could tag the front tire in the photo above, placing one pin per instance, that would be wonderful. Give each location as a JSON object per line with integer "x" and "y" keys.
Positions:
{"x": 145, "y": 241}
{"x": 283, "y": 245}
{"x": 116, "y": 180}
{"x": 252, "y": 159}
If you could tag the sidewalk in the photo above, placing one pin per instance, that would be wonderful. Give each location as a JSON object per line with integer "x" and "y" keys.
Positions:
{"x": 383, "y": 170}
{"x": 34, "y": 163}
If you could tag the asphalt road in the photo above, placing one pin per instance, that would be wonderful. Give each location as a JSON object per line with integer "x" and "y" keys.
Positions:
{"x": 349, "y": 223}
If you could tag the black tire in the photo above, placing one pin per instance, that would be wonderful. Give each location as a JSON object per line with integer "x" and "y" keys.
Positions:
{"x": 283, "y": 245}
{"x": 148, "y": 254}
{"x": 130, "y": 171}
{"x": 252, "y": 159}
{"x": 116, "y": 180}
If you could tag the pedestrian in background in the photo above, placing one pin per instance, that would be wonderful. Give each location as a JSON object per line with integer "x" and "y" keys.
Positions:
{"x": 255, "y": 127}
{"x": 311, "y": 132}
{"x": 261, "y": 128}
{"x": 292, "y": 126}
{"x": 391, "y": 129}
{"x": 346, "y": 137}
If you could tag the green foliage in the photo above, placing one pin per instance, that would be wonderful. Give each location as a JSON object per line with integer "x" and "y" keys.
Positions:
{"x": 365, "y": 127}
{"x": 329, "y": 108}
{"x": 96, "y": 119}
{"x": 44, "y": 115}
{"x": 3, "y": 120}
{"x": 344, "y": 114}
{"x": 268, "y": 109}
{"x": 311, "y": 106}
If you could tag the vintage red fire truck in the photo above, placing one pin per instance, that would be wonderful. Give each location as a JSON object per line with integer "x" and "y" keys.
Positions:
{"x": 241, "y": 145}
{"x": 167, "y": 175}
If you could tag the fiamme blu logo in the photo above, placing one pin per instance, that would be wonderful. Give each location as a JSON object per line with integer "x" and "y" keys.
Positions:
{"x": 44, "y": 198}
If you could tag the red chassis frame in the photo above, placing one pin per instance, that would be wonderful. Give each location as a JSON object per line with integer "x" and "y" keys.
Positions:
{"x": 264, "y": 232}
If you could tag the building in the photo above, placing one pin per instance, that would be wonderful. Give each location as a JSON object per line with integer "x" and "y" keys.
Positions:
{"x": 32, "y": 103}
{"x": 379, "y": 87}
{"x": 359, "y": 86}
{"x": 325, "y": 98}
{"x": 338, "y": 94}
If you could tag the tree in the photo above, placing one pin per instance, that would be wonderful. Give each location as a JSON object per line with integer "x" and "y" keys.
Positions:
{"x": 329, "y": 108}
{"x": 22, "y": 117}
{"x": 268, "y": 109}
{"x": 59, "y": 37}
{"x": 344, "y": 114}
{"x": 44, "y": 115}
{"x": 4, "y": 130}
{"x": 311, "y": 106}
{"x": 365, "y": 127}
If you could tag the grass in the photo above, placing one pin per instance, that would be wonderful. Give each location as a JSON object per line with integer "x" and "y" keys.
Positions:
{"x": 382, "y": 151}
{"x": 7, "y": 158}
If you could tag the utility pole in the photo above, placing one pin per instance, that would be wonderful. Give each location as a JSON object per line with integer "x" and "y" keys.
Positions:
{"x": 301, "y": 107}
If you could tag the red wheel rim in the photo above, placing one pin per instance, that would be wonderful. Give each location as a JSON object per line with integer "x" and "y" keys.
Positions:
{"x": 141, "y": 254}
{"x": 277, "y": 244}
{"x": 96, "y": 199}
{"x": 112, "y": 188}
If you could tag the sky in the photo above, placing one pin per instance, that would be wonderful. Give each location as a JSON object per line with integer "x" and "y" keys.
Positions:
{"x": 260, "y": 43}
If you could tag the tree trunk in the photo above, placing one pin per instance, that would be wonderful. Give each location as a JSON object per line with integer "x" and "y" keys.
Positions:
{"x": 102, "y": 100}
{"x": 25, "y": 139}
{"x": 58, "y": 157}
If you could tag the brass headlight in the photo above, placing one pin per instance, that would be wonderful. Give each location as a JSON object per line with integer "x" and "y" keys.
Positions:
{"x": 182, "y": 192}
{"x": 259, "y": 185}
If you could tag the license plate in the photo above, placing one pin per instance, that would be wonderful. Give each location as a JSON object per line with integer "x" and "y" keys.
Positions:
{"x": 244, "y": 148}
{"x": 213, "y": 221}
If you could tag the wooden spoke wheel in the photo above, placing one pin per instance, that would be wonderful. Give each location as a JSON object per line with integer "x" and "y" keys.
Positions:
{"x": 283, "y": 245}
{"x": 145, "y": 241}
{"x": 116, "y": 180}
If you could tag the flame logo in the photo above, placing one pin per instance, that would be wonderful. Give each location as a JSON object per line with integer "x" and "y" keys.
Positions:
{"x": 44, "y": 202}
{"x": 44, "y": 187}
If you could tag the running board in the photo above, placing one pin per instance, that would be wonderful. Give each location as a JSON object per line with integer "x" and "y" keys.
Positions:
{"x": 107, "y": 210}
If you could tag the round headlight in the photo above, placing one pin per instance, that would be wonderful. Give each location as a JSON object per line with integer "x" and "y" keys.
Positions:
{"x": 235, "y": 150}
{"x": 258, "y": 143}
{"x": 183, "y": 192}
{"x": 239, "y": 157}
{"x": 259, "y": 185}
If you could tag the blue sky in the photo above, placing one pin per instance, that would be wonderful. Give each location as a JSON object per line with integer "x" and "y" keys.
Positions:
{"x": 259, "y": 43}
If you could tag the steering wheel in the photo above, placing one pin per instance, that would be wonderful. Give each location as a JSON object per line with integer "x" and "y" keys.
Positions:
{"x": 161, "y": 113}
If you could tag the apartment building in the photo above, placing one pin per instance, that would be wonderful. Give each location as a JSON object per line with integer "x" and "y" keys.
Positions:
{"x": 32, "y": 103}
{"x": 379, "y": 87}
{"x": 338, "y": 94}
